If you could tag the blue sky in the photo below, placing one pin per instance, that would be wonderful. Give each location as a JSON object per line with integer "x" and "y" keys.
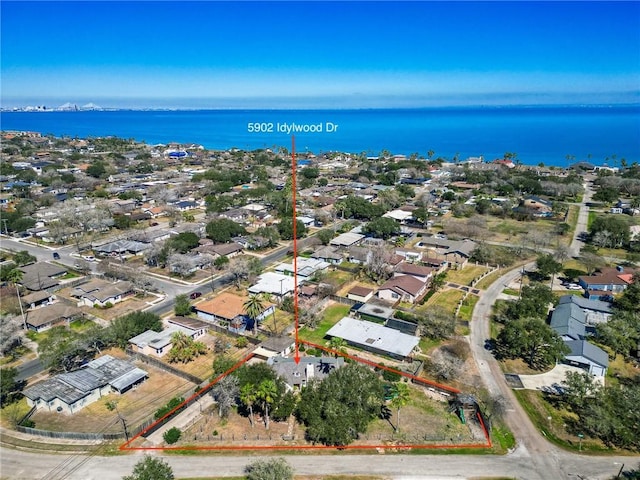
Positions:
{"x": 332, "y": 54}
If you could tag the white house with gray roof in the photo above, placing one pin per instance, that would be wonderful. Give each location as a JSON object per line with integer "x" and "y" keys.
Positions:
{"x": 72, "y": 391}
{"x": 374, "y": 337}
{"x": 587, "y": 356}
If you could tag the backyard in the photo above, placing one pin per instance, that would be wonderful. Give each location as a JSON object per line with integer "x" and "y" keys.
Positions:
{"x": 424, "y": 420}
{"x": 330, "y": 316}
{"x": 135, "y": 406}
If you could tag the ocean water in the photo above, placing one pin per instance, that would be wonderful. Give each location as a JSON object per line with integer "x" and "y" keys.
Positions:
{"x": 537, "y": 134}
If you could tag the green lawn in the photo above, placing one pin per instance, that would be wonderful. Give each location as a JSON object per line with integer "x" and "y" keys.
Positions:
{"x": 330, "y": 317}
{"x": 446, "y": 299}
{"x": 466, "y": 310}
{"x": 466, "y": 275}
{"x": 81, "y": 325}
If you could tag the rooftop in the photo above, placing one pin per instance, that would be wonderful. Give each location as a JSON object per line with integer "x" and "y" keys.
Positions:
{"x": 374, "y": 335}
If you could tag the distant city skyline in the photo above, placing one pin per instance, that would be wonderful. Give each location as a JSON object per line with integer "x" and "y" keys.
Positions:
{"x": 319, "y": 54}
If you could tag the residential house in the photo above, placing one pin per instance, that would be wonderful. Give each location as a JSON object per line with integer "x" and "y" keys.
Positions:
{"x": 275, "y": 347}
{"x": 44, "y": 318}
{"x": 306, "y": 267}
{"x": 275, "y": 284}
{"x": 297, "y": 373}
{"x": 374, "y": 337}
{"x": 37, "y": 299}
{"x": 360, "y": 294}
{"x": 229, "y": 250}
{"x": 228, "y": 309}
{"x": 608, "y": 279}
{"x": 159, "y": 343}
{"x": 569, "y": 321}
{"x": 537, "y": 204}
{"x": 348, "y": 239}
{"x": 404, "y": 288}
{"x": 72, "y": 391}
{"x": 595, "y": 311}
{"x": 401, "y": 216}
{"x": 587, "y": 356}
{"x": 185, "y": 205}
{"x": 102, "y": 293}
{"x": 454, "y": 251}
{"x": 409, "y": 255}
{"x": 41, "y": 275}
{"x": 424, "y": 274}
{"x": 328, "y": 254}
{"x": 121, "y": 247}
{"x": 376, "y": 311}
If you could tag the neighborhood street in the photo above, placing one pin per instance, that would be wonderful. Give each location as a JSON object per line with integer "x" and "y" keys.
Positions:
{"x": 533, "y": 459}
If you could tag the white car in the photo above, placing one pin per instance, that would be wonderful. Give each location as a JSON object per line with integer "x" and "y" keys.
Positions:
{"x": 89, "y": 258}
{"x": 574, "y": 286}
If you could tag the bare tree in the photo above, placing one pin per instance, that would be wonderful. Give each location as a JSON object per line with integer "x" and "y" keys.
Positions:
{"x": 378, "y": 263}
{"x": 225, "y": 393}
{"x": 445, "y": 365}
{"x": 239, "y": 269}
{"x": 180, "y": 264}
{"x": 10, "y": 328}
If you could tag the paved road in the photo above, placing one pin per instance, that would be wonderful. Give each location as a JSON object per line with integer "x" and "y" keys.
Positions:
{"x": 583, "y": 218}
{"x": 18, "y": 465}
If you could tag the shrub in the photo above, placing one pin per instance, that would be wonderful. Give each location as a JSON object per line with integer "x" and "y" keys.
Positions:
{"x": 173, "y": 403}
{"x": 242, "y": 342}
{"x": 172, "y": 435}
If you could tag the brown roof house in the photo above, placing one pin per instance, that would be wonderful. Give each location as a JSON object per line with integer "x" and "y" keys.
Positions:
{"x": 228, "y": 309}
{"x": 405, "y": 288}
{"x": 360, "y": 293}
{"x": 44, "y": 318}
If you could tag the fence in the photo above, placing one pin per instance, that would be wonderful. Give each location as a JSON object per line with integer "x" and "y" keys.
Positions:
{"x": 89, "y": 436}
{"x": 163, "y": 366}
{"x": 343, "y": 300}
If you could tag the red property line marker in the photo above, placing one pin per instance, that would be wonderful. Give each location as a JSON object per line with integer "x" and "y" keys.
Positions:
{"x": 295, "y": 244}
{"x": 488, "y": 444}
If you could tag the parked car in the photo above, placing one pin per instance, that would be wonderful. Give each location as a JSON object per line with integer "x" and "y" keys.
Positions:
{"x": 574, "y": 286}
{"x": 89, "y": 258}
{"x": 195, "y": 295}
{"x": 56, "y": 256}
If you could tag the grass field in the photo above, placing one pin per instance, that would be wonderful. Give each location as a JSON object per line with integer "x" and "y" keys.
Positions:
{"x": 447, "y": 299}
{"x": 331, "y": 315}
{"x": 466, "y": 275}
{"x": 466, "y": 310}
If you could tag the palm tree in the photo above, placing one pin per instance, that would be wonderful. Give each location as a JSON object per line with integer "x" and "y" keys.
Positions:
{"x": 14, "y": 276}
{"x": 269, "y": 299}
{"x": 248, "y": 397}
{"x": 253, "y": 307}
{"x": 400, "y": 397}
{"x": 266, "y": 392}
{"x": 338, "y": 345}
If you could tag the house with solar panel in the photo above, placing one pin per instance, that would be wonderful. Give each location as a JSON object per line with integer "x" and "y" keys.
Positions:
{"x": 72, "y": 391}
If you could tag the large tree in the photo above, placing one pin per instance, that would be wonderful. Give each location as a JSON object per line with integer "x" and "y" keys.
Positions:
{"x": 533, "y": 341}
{"x": 223, "y": 229}
{"x": 382, "y": 227}
{"x": 339, "y": 408}
{"x": 151, "y": 468}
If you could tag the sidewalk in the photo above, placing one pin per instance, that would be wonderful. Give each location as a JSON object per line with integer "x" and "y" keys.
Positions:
{"x": 182, "y": 421}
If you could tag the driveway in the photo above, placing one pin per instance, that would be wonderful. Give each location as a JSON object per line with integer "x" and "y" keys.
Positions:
{"x": 550, "y": 380}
